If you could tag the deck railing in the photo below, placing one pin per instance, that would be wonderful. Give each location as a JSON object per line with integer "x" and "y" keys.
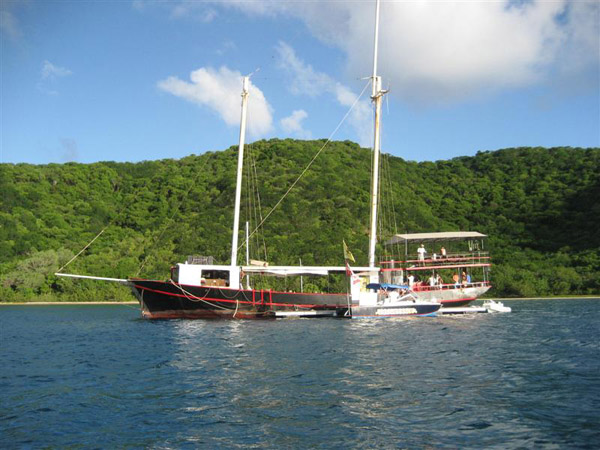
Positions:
{"x": 449, "y": 261}
{"x": 420, "y": 287}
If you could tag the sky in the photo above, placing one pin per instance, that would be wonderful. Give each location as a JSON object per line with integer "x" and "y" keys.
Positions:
{"x": 90, "y": 81}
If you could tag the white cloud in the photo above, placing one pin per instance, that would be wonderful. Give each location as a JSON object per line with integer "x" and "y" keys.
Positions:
{"x": 219, "y": 90}
{"x": 227, "y": 46}
{"x": 293, "y": 124}
{"x": 200, "y": 11}
{"x": 49, "y": 77}
{"x": 305, "y": 80}
{"x": 361, "y": 116}
{"x": 50, "y": 71}
{"x": 9, "y": 23}
{"x": 439, "y": 51}
{"x": 193, "y": 10}
{"x": 138, "y": 5}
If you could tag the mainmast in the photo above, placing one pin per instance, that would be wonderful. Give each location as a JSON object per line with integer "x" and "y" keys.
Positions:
{"x": 376, "y": 96}
{"x": 238, "y": 186}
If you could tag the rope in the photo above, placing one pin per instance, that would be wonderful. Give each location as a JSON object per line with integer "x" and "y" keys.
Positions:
{"x": 83, "y": 249}
{"x": 388, "y": 224}
{"x": 258, "y": 207}
{"x": 310, "y": 163}
{"x": 240, "y": 291}
{"x": 109, "y": 224}
{"x": 191, "y": 297}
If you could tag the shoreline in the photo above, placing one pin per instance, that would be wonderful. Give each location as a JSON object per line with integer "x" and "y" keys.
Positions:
{"x": 579, "y": 297}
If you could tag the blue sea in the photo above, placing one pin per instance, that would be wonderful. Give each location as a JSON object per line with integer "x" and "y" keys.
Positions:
{"x": 100, "y": 377}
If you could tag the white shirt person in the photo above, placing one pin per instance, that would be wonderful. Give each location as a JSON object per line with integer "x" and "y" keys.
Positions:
{"x": 421, "y": 252}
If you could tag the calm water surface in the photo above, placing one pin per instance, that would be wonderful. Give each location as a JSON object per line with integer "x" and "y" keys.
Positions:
{"x": 100, "y": 377}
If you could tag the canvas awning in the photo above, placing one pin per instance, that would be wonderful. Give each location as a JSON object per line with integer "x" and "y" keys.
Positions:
{"x": 433, "y": 237}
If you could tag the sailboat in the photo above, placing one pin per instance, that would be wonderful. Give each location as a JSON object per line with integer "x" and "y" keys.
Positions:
{"x": 200, "y": 289}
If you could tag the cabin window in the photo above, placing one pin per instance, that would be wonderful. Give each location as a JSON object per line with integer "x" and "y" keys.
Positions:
{"x": 215, "y": 277}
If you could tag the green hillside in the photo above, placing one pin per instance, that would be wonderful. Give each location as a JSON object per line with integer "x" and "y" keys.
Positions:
{"x": 540, "y": 207}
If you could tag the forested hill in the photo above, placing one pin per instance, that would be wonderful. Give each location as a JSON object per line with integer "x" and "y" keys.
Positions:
{"x": 540, "y": 207}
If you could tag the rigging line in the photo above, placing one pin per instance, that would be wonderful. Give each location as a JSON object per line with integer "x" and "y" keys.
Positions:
{"x": 251, "y": 209}
{"x": 173, "y": 215}
{"x": 123, "y": 206}
{"x": 392, "y": 197}
{"x": 388, "y": 225}
{"x": 312, "y": 160}
{"x": 389, "y": 216}
{"x": 257, "y": 211}
{"x": 193, "y": 298}
{"x": 83, "y": 249}
{"x": 382, "y": 219}
{"x": 260, "y": 236}
{"x": 259, "y": 205}
{"x": 253, "y": 200}
{"x": 386, "y": 196}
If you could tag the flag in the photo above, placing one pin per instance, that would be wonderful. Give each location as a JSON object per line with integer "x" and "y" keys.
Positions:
{"x": 349, "y": 272}
{"x": 347, "y": 255}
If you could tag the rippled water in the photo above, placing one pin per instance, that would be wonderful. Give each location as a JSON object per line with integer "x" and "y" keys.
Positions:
{"x": 98, "y": 376}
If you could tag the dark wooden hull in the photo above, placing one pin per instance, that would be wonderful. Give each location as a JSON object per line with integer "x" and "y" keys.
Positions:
{"x": 169, "y": 300}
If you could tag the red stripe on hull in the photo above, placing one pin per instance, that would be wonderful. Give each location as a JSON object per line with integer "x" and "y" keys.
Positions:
{"x": 167, "y": 300}
{"x": 241, "y": 302}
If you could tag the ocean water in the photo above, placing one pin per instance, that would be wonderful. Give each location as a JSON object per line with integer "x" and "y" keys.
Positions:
{"x": 101, "y": 377}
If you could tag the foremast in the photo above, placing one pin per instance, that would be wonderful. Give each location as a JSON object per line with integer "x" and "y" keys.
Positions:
{"x": 376, "y": 96}
{"x": 234, "y": 279}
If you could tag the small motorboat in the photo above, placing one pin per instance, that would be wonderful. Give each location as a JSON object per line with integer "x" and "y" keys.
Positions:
{"x": 493, "y": 307}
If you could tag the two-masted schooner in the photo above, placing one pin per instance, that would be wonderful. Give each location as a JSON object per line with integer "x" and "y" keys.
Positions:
{"x": 200, "y": 289}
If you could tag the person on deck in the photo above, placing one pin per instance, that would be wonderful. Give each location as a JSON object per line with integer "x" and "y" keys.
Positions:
{"x": 455, "y": 278}
{"x": 439, "y": 281}
{"x": 421, "y": 252}
{"x": 443, "y": 252}
{"x": 411, "y": 280}
{"x": 432, "y": 280}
